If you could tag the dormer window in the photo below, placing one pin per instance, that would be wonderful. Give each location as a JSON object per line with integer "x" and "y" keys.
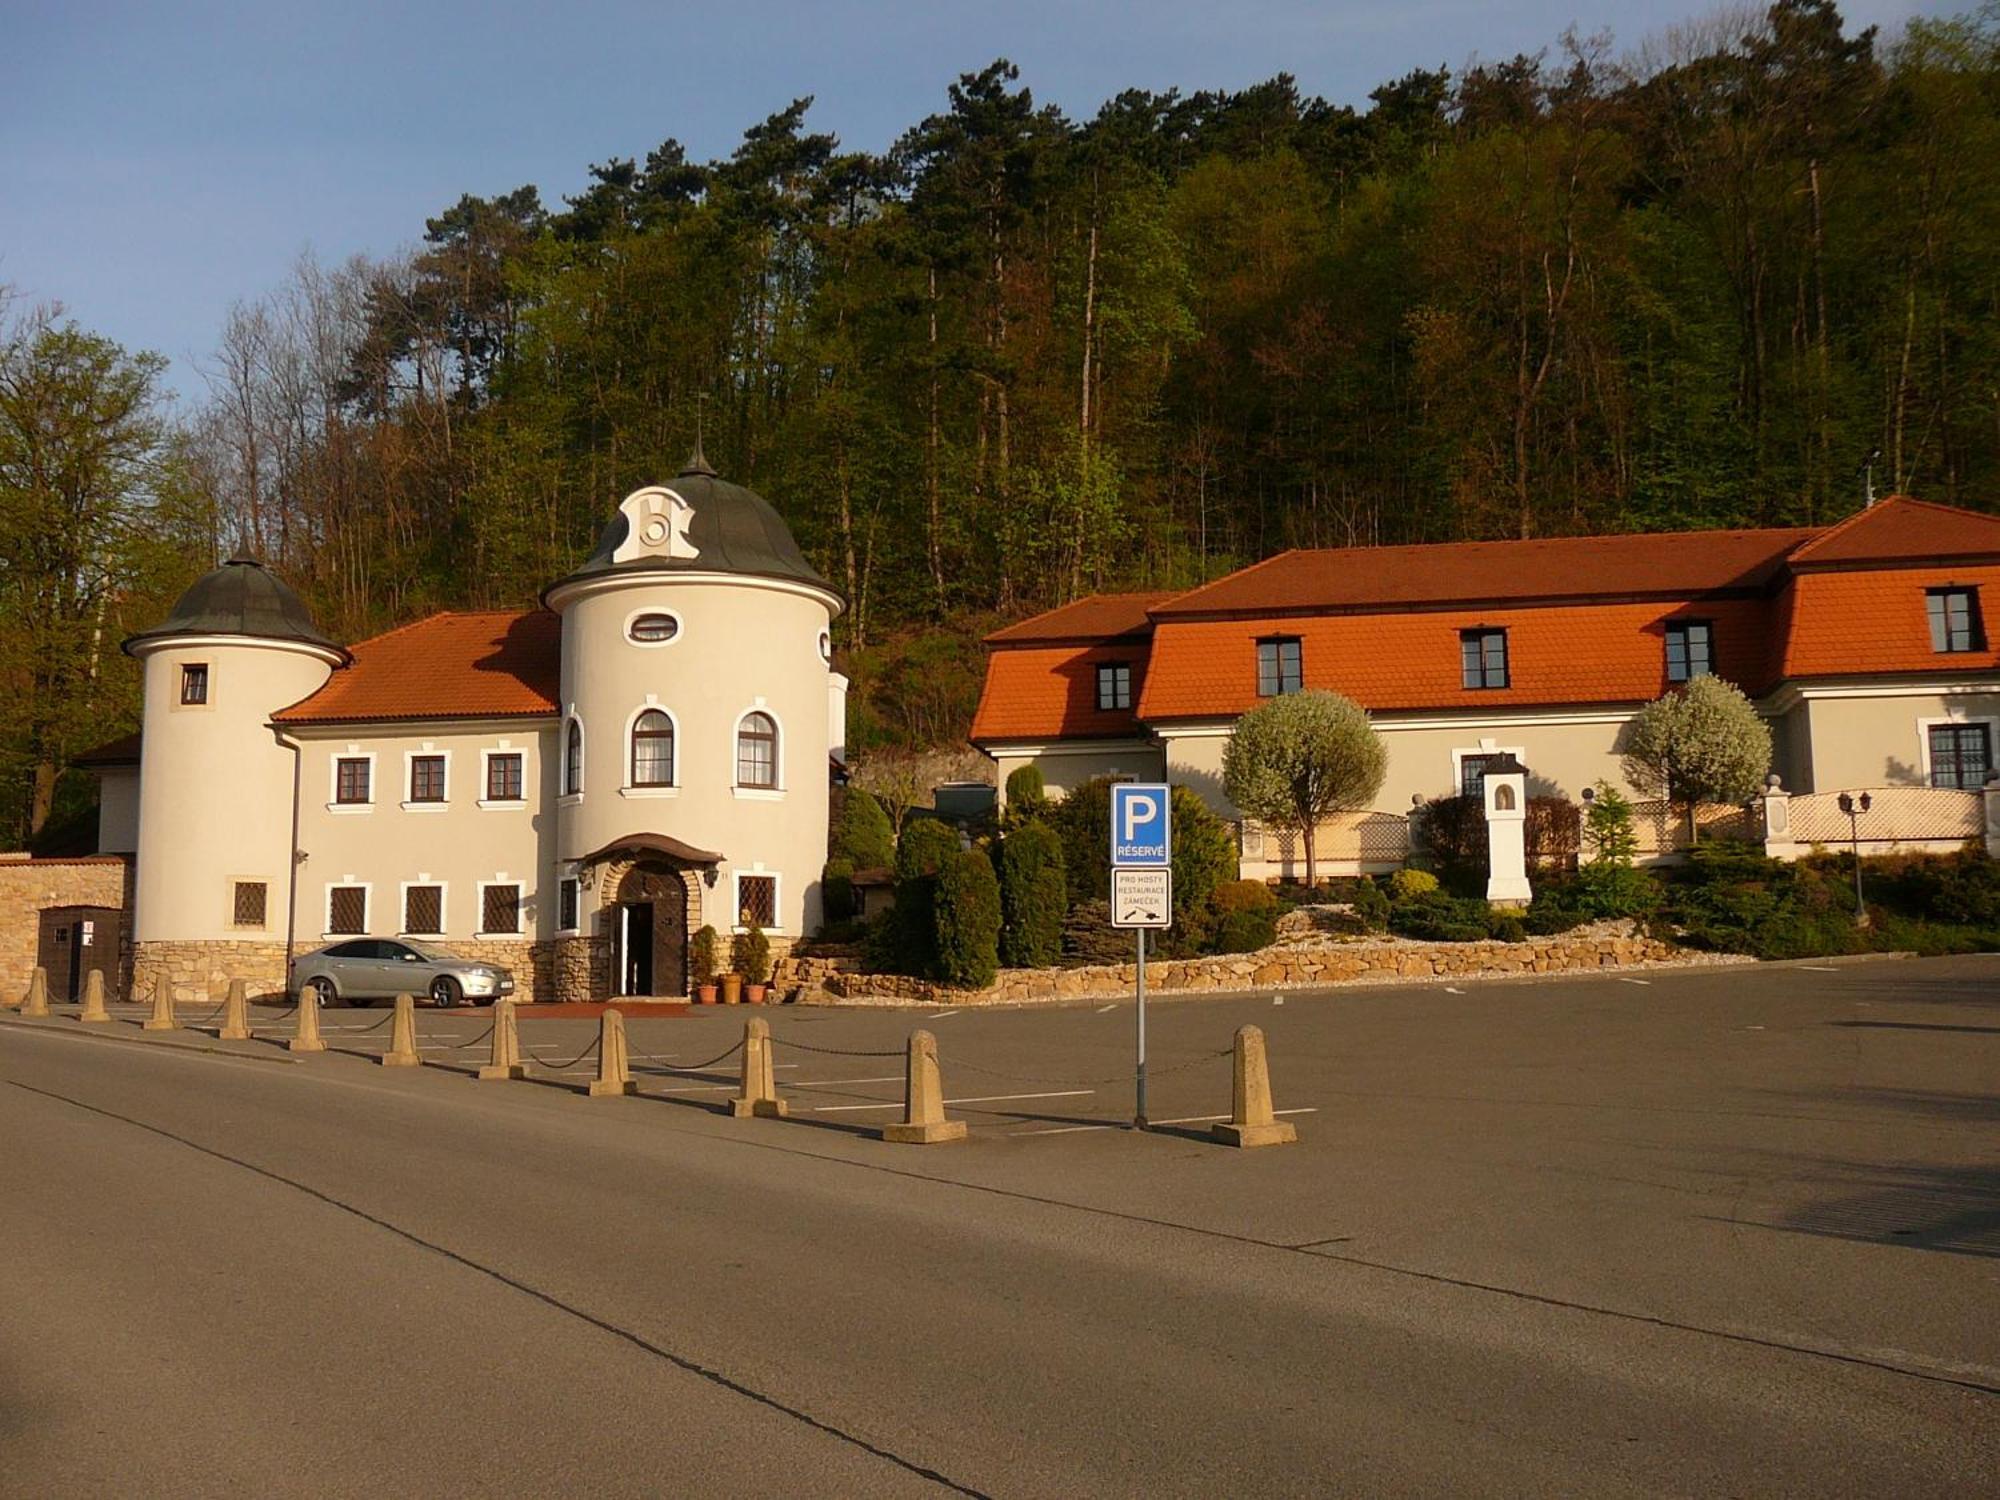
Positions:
{"x": 1114, "y": 685}
{"x": 1280, "y": 666}
{"x": 1954, "y": 618}
{"x": 654, "y": 628}
{"x": 1483, "y": 658}
{"x": 1690, "y": 650}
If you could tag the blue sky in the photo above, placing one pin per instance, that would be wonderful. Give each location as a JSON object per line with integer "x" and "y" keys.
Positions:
{"x": 159, "y": 162}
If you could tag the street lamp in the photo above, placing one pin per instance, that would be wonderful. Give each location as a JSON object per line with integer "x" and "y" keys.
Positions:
{"x": 1854, "y": 807}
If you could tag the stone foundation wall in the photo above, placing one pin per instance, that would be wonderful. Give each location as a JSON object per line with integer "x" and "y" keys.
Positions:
{"x": 29, "y": 885}
{"x": 1272, "y": 968}
{"x": 200, "y": 972}
{"x": 581, "y": 968}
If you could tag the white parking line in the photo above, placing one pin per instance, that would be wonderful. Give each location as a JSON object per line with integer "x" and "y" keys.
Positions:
{"x": 834, "y": 1083}
{"x": 837, "y": 1109}
{"x": 1067, "y": 1129}
{"x": 1101, "y": 1010}
{"x": 939, "y": 1015}
{"x": 1623, "y": 980}
{"x": 1820, "y": 968}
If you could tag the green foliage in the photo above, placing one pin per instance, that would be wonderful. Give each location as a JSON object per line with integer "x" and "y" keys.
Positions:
{"x": 1295, "y": 760}
{"x": 862, "y": 838}
{"x": 703, "y": 956}
{"x": 1702, "y": 743}
{"x": 1202, "y": 853}
{"x": 1371, "y": 904}
{"x": 967, "y": 921}
{"x": 1438, "y": 918}
{"x": 750, "y": 954}
{"x": 1082, "y": 820}
{"x": 836, "y": 886}
{"x": 1608, "y": 834}
{"x": 1034, "y": 897}
{"x": 1026, "y": 798}
{"x": 927, "y": 846}
{"x": 1405, "y": 884}
{"x": 1242, "y": 916}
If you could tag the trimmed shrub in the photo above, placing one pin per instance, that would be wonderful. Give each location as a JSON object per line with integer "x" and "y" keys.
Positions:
{"x": 1455, "y": 832}
{"x": 1027, "y": 799}
{"x": 1371, "y": 904}
{"x": 836, "y": 891}
{"x": 1242, "y": 917}
{"x": 863, "y": 836}
{"x": 1507, "y": 927}
{"x": 967, "y": 916}
{"x": 703, "y": 956}
{"x": 750, "y": 955}
{"x": 1404, "y": 884}
{"x": 927, "y": 846}
{"x": 1082, "y": 820}
{"x": 1203, "y": 854}
{"x": 1034, "y": 896}
{"x": 1438, "y": 918}
{"x": 1089, "y": 938}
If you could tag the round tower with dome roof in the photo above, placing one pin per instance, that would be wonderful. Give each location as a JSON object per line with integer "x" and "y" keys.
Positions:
{"x": 214, "y": 861}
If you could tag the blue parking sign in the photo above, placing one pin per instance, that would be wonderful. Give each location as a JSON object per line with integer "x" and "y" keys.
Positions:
{"x": 1139, "y": 823}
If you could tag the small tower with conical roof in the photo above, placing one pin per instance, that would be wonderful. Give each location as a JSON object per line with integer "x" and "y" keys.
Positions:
{"x": 214, "y": 863}
{"x": 698, "y": 697}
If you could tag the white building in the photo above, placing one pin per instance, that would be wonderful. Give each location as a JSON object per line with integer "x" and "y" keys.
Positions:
{"x": 570, "y": 790}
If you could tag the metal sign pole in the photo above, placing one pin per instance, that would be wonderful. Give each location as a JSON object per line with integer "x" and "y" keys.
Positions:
{"x": 1139, "y": 1093}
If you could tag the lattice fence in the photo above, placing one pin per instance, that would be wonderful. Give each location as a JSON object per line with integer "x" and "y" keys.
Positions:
{"x": 1371, "y": 838}
{"x": 1896, "y": 815}
{"x": 1663, "y": 829}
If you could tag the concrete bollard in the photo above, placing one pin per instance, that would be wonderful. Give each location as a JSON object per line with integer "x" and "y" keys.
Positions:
{"x": 402, "y": 1051}
{"x": 162, "y": 1018}
{"x": 923, "y": 1122}
{"x": 614, "y": 1063}
{"x": 760, "y": 1089}
{"x": 1251, "y": 1121}
{"x": 506, "y": 1059}
{"x": 307, "y": 1038}
{"x": 235, "y": 1013}
{"x": 36, "y": 1001}
{"x": 93, "y": 997}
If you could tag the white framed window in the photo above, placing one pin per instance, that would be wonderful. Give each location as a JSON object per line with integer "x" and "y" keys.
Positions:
{"x": 572, "y": 777}
{"x": 426, "y": 779}
{"x": 754, "y": 897}
{"x": 1958, "y": 751}
{"x": 652, "y": 752}
{"x": 503, "y": 776}
{"x": 759, "y": 750}
{"x": 652, "y": 627}
{"x": 347, "y": 907}
{"x": 424, "y": 903}
{"x": 350, "y": 782}
{"x": 1468, "y": 767}
{"x": 502, "y": 906}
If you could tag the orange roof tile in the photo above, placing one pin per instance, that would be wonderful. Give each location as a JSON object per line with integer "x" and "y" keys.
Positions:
{"x": 1874, "y": 622}
{"x": 1659, "y": 564}
{"x": 1097, "y": 618}
{"x": 1900, "y": 529}
{"x": 1571, "y": 655}
{"x": 493, "y": 664}
{"x": 1038, "y": 693}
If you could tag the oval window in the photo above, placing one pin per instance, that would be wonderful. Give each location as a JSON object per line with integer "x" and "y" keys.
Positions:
{"x": 825, "y": 646}
{"x": 652, "y": 629}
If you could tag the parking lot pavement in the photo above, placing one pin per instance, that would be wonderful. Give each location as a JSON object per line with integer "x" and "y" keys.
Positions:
{"x": 1770, "y": 1191}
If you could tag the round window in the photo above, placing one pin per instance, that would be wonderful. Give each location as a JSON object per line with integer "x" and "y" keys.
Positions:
{"x": 651, "y": 629}
{"x": 825, "y": 646}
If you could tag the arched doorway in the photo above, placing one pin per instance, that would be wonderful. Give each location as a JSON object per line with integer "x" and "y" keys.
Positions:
{"x": 649, "y": 935}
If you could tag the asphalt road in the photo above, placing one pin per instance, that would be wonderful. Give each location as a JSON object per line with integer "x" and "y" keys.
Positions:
{"x": 1720, "y": 1232}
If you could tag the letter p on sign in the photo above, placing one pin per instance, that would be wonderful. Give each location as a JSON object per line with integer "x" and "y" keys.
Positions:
{"x": 1139, "y": 824}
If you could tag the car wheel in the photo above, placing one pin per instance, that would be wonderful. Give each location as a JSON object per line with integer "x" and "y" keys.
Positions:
{"x": 322, "y": 992}
{"x": 444, "y": 992}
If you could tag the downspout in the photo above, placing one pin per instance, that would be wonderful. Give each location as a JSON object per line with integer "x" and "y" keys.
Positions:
{"x": 292, "y": 875}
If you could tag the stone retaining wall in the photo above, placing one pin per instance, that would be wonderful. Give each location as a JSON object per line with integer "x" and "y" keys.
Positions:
{"x": 27, "y": 886}
{"x": 1272, "y": 968}
{"x": 200, "y": 972}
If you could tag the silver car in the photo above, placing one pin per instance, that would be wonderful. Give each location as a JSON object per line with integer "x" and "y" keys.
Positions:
{"x": 362, "y": 971}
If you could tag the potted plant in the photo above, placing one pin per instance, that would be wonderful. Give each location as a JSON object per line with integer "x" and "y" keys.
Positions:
{"x": 701, "y": 961}
{"x": 750, "y": 952}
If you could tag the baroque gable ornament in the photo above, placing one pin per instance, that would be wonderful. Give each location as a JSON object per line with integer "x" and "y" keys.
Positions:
{"x": 657, "y": 521}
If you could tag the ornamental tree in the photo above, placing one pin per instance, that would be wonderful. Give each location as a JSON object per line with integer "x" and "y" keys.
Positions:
{"x": 1702, "y": 743}
{"x": 1300, "y": 758}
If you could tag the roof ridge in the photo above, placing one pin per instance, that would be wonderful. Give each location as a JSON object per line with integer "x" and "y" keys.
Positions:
{"x": 1878, "y": 508}
{"x": 446, "y": 614}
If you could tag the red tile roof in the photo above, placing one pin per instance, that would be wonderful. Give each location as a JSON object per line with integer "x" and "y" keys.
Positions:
{"x": 1650, "y": 565}
{"x": 1900, "y": 529}
{"x": 1046, "y": 692}
{"x": 1097, "y": 618}
{"x": 493, "y": 664}
{"x": 1874, "y": 622}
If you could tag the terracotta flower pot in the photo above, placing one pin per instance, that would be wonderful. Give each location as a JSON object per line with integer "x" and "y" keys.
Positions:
{"x": 755, "y": 993}
{"x": 704, "y": 994}
{"x": 732, "y": 989}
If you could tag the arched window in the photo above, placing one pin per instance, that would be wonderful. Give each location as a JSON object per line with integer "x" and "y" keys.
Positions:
{"x": 757, "y": 751}
{"x": 573, "y": 760}
{"x": 653, "y": 749}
